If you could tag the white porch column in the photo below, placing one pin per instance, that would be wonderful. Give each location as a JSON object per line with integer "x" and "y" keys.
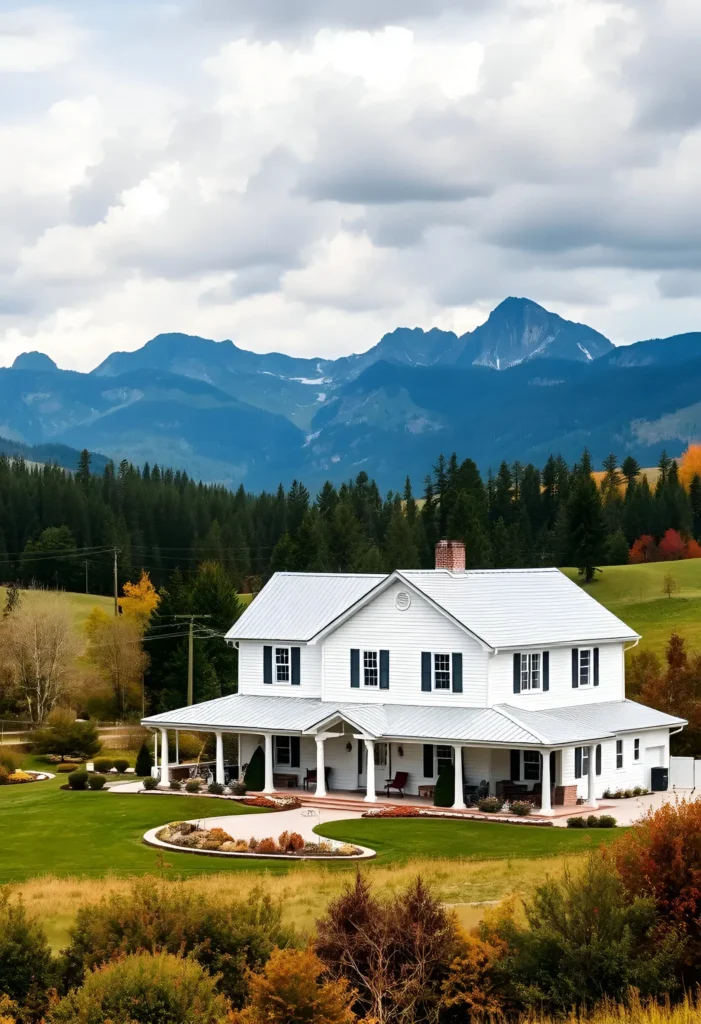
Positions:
{"x": 592, "y": 777}
{"x": 458, "y": 798}
{"x": 320, "y": 767}
{"x": 545, "y": 802}
{"x": 156, "y": 764}
{"x": 165, "y": 774}
{"x": 220, "y": 758}
{"x": 371, "y": 796}
{"x": 177, "y": 747}
{"x": 269, "y": 786}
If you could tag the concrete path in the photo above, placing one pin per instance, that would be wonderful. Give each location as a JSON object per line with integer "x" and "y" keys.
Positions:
{"x": 273, "y": 823}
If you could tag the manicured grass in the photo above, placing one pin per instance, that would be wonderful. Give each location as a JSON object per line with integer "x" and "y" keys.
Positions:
{"x": 401, "y": 839}
{"x": 634, "y": 593}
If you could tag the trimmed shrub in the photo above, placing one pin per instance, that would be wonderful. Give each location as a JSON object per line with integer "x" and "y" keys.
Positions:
{"x": 64, "y": 769}
{"x": 241, "y": 846}
{"x": 4, "y": 776}
{"x": 150, "y": 783}
{"x": 222, "y": 934}
{"x": 255, "y": 773}
{"x": 444, "y": 794}
{"x": 96, "y": 781}
{"x": 628, "y": 793}
{"x": 103, "y": 764}
{"x": 78, "y": 780}
{"x": 576, "y": 823}
{"x": 147, "y": 987}
{"x": 144, "y": 761}
{"x": 64, "y": 736}
{"x": 490, "y": 804}
{"x": 267, "y": 845}
{"x": 176, "y": 785}
{"x": 521, "y": 808}
{"x": 121, "y": 764}
{"x": 607, "y": 821}
{"x": 592, "y": 821}
{"x": 192, "y": 786}
{"x": 215, "y": 788}
{"x": 237, "y": 788}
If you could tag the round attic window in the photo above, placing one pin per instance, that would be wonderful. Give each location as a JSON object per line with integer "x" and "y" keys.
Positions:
{"x": 402, "y": 600}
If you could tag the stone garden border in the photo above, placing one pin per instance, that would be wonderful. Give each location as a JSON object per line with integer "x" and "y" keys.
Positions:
{"x": 151, "y": 839}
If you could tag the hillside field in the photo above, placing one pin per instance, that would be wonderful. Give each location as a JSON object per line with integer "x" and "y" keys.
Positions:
{"x": 79, "y": 605}
{"x": 635, "y": 594}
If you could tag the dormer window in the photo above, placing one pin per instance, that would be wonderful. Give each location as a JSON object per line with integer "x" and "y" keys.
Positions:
{"x": 531, "y": 671}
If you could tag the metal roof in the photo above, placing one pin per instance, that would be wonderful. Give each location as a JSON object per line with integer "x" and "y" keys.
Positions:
{"x": 296, "y": 605}
{"x": 502, "y": 724}
{"x": 520, "y": 607}
{"x": 590, "y": 721}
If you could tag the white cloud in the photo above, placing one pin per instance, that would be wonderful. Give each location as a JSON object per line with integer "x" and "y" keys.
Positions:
{"x": 308, "y": 176}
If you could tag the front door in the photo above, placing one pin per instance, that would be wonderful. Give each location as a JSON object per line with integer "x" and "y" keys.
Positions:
{"x": 383, "y": 765}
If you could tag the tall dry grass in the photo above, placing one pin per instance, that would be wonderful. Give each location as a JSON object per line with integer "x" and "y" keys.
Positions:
{"x": 470, "y": 887}
{"x": 634, "y": 1012}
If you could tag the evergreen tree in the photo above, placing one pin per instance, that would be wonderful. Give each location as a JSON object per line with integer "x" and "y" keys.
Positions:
{"x": 401, "y": 552}
{"x": 585, "y": 520}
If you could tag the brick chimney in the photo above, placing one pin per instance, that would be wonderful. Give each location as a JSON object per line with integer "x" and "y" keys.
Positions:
{"x": 450, "y": 554}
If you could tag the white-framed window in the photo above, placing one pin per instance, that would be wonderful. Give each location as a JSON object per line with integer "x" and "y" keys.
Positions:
{"x": 531, "y": 766}
{"x": 283, "y": 751}
{"x": 380, "y": 755}
{"x": 636, "y": 749}
{"x": 586, "y": 665}
{"x": 441, "y": 671}
{"x": 282, "y": 665}
{"x": 371, "y": 670}
{"x": 444, "y": 756}
{"x": 619, "y": 753}
{"x": 585, "y": 761}
{"x": 531, "y": 671}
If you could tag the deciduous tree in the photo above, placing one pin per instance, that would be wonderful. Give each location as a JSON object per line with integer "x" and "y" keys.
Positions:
{"x": 292, "y": 989}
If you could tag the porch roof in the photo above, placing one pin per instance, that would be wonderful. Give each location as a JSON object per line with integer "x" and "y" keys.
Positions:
{"x": 501, "y": 725}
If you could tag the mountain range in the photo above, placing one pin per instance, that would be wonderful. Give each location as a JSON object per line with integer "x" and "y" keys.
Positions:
{"x": 520, "y": 386}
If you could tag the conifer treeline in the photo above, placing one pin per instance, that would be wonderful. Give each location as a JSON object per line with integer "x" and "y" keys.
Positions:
{"x": 59, "y": 529}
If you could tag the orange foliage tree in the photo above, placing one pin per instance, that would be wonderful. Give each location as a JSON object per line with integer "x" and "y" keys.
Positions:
{"x": 661, "y": 859}
{"x": 671, "y": 547}
{"x": 292, "y": 987}
{"x": 471, "y": 990}
{"x": 690, "y": 464}
{"x": 140, "y": 600}
{"x": 643, "y": 550}
{"x": 677, "y": 691}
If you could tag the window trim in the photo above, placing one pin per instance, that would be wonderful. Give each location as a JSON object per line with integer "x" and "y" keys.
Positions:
{"x": 366, "y": 668}
{"x": 441, "y": 759}
{"x": 636, "y": 748}
{"x": 590, "y": 666}
{"x": 282, "y": 647}
{"x": 529, "y": 656}
{"x": 449, "y": 687}
{"x": 619, "y": 767}
{"x": 288, "y": 741}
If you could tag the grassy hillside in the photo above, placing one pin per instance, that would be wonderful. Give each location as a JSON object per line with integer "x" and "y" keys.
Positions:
{"x": 634, "y": 593}
{"x": 80, "y": 605}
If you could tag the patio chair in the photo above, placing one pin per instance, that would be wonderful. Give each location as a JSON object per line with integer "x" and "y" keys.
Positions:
{"x": 398, "y": 783}
{"x": 310, "y": 778}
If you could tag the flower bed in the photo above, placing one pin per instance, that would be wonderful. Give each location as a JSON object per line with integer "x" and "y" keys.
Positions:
{"x": 280, "y": 803}
{"x": 186, "y": 835}
{"x": 392, "y": 811}
{"x": 19, "y": 777}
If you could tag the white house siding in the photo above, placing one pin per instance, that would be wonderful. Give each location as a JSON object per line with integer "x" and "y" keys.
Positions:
{"x": 561, "y": 693}
{"x": 251, "y": 671}
{"x": 381, "y": 626}
{"x": 632, "y": 774}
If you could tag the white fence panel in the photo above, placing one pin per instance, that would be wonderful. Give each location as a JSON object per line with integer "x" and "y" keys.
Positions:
{"x": 681, "y": 773}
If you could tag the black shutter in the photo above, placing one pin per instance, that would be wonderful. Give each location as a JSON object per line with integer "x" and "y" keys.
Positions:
{"x": 575, "y": 667}
{"x": 295, "y": 670}
{"x": 384, "y": 670}
{"x": 598, "y": 759}
{"x": 553, "y": 767}
{"x": 546, "y": 670}
{"x": 428, "y": 760}
{"x": 596, "y": 666}
{"x": 360, "y": 757}
{"x": 355, "y": 667}
{"x": 577, "y": 762}
{"x": 515, "y": 765}
{"x": 457, "y": 672}
{"x": 294, "y": 751}
{"x": 426, "y": 671}
{"x": 267, "y": 664}
{"x": 517, "y": 673}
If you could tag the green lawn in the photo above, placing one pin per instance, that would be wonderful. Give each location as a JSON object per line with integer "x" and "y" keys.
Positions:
{"x": 634, "y": 593}
{"x": 401, "y": 839}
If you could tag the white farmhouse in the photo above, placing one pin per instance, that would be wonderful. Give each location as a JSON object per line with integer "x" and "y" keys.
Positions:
{"x": 514, "y": 676}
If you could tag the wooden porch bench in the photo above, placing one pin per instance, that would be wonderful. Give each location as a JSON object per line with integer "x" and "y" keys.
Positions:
{"x": 281, "y": 780}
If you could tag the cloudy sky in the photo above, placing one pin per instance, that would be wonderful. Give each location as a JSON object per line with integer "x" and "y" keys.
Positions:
{"x": 305, "y": 175}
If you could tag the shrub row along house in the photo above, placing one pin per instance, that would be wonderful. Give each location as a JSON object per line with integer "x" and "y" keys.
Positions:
{"x": 516, "y": 677}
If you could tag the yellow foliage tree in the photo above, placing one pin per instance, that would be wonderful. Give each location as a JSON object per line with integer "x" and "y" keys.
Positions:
{"x": 690, "y": 464}
{"x": 292, "y": 988}
{"x": 140, "y": 601}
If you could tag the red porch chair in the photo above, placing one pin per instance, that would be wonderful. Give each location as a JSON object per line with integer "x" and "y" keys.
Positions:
{"x": 398, "y": 783}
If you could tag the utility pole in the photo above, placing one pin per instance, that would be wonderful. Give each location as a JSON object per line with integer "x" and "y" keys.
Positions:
{"x": 191, "y": 655}
{"x": 116, "y": 585}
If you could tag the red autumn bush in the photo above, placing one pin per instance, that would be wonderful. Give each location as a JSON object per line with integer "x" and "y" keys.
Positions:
{"x": 267, "y": 845}
{"x": 395, "y": 812}
{"x": 672, "y": 547}
{"x": 661, "y": 859}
